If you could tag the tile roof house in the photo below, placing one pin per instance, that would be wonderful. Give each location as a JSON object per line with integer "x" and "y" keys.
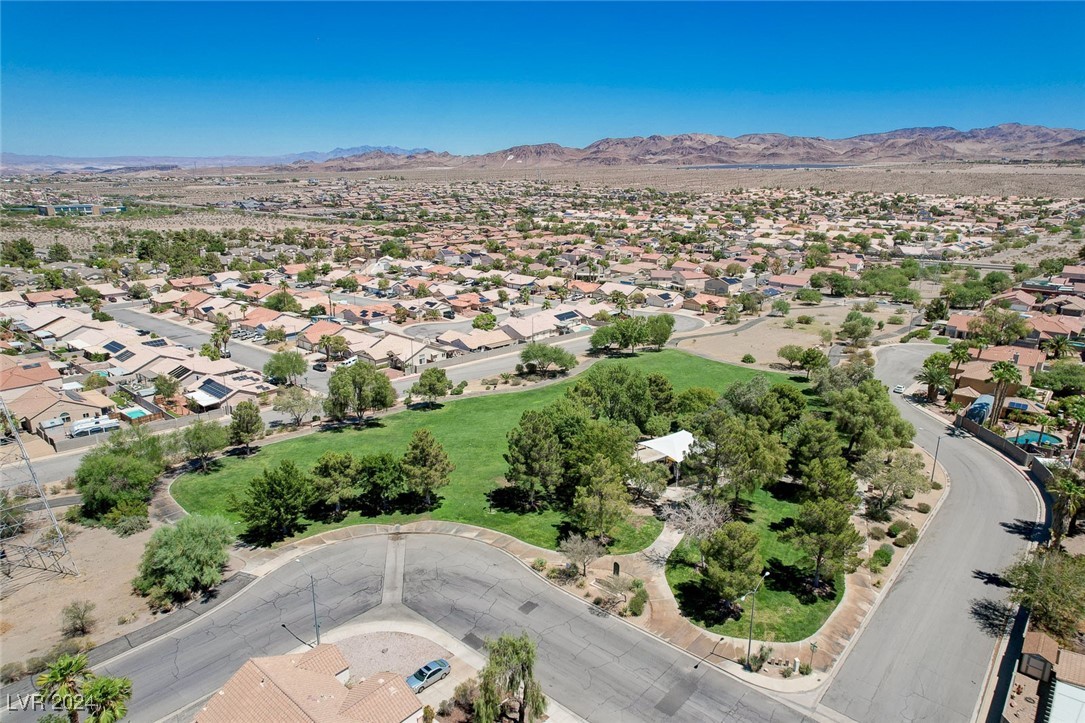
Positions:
{"x": 42, "y": 404}
{"x": 16, "y": 374}
{"x": 308, "y": 688}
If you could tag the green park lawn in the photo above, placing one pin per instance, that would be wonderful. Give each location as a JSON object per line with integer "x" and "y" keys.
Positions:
{"x": 473, "y": 432}
{"x": 785, "y": 611}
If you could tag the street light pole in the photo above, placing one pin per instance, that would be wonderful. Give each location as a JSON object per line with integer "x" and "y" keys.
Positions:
{"x": 753, "y": 609}
{"x": 935, "y": 465}
{"x": 312, "y": 588}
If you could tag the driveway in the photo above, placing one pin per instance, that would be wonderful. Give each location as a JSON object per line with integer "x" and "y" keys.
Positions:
{"x": 925, "y": 653}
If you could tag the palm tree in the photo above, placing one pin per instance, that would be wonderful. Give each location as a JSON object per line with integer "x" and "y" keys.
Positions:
{"x": 1057, "y": 347}
{"x": 106, "y": 699}
{"x": 934, "y": 377}
{"x": 620, "y": 301}
{"x": 959, "y": 353}
{"x": 1003, "y": 374}
{"x": 1067, "y": 490}
{"x": 63, "y": 682}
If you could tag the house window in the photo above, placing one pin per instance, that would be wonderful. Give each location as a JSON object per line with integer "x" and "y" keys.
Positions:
{"x": 64, "y": 416}
{"x": 86, "y": 414}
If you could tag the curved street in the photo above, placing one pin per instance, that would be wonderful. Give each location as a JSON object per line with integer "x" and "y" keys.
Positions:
{"x": 925, "y": 653}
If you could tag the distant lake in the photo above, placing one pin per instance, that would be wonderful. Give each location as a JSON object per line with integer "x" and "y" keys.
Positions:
{"x": 764, "y": 166}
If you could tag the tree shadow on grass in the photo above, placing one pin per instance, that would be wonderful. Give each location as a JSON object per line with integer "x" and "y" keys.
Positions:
{"x": 785, "y": 491}
{"x": 781, "y": 525}
{"x": 797, "y": 581}
{"x": 1026, "y": 529}
{"x": 512, "y": 499}
{"x": 698, "y": 601}
{"x": 992, "y": 616}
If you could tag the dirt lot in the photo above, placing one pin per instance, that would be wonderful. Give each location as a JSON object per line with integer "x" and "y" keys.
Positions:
{"x": 766, "y": 337}
{"x": 30, "y": 615}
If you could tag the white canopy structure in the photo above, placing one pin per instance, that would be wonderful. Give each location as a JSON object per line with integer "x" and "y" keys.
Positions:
{"x": 673, "y": 447}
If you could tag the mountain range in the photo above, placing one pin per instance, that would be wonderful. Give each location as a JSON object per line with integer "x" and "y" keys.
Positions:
{"x": 1009, "y": 141}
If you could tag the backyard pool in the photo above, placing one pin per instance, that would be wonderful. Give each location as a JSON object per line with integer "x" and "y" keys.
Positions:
{"x": 1033, "y": 437}
{"x": 134, "y": 412}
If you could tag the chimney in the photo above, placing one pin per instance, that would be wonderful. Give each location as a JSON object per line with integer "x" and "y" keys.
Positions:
{"x": 1016, "y": 357}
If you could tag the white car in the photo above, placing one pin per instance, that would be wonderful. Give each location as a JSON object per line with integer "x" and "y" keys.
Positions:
{"x": 899, "y": 389}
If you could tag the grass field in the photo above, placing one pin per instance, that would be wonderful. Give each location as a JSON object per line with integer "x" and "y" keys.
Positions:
{"x": 785, "y": 611}
{"x": 473, "y": 432}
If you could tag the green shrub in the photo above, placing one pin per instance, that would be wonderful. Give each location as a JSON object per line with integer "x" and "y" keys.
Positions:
{"x": 923, "y": 508}
{"x": 538, "y": 565}
{"x": 896, "y": 320}
{"x": 877, "y": 533}
{"x": 638, "y": 601}
{"x": 923, "y": 334}
{"x": 884, "y": 554}
{"x": 908, "y": 537}
{"x": 748, "y": 359}
{"x": 805, "y": 669}
{"x": 936, "y": 485}
{"x": 897, "y": 527}
{"x": 787, "y": 672}
{"x": 805, "y": 319}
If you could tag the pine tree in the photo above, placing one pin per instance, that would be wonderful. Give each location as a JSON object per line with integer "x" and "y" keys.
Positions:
{"x": 534, "y": 457}
{"x": 246, "y": 425}
{"x": 602, "y": 501}
{"x": 824, "y": 532}
{"x": 732, "y": 560}
{"x": 426, "y": 466}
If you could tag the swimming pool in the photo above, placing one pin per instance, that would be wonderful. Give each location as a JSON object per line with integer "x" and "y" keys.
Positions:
{"x": 134, "y": 412}
{"x": 1033, "y": 437}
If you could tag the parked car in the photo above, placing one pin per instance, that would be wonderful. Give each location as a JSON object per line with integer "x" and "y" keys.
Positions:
{"x": 320, "y": 367}
{"x": 226, "y": 353}
{"x": 428, "y": 674}
{"x": 899, "y": 389}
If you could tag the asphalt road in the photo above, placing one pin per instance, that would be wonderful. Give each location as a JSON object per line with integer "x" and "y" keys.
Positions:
{"x": 925, "y": 653}
{"x": 593, "y": 664}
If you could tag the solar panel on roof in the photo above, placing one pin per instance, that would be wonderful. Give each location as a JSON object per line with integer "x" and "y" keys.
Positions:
{"x": 113, "y": 347}
{"x": 215, "y": 389}
{"x": 155, "y": 342}
{"x": 125, "y": 355}
{"x": 1018, "y": 405}
{"x": 179, "y": 372}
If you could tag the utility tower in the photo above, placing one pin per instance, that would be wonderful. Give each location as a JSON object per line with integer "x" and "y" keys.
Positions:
{"x": 30, "y": 537}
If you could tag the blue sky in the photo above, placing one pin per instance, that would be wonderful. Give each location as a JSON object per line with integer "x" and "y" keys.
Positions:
{"x": 206, "y": 78}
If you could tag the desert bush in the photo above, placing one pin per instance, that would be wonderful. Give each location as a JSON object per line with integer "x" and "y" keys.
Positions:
{"x": 936, "y": 485}
{"x": 465, "y": 695}
{"x": 748, "y": 359}
{"x": 805, "y": 669}
{"x": 128, "y": 526}
{"x": 805, "y": 319}
{"x": 10, "y": 672}
{"x": 538, "y": 565}
{"x": 897, "y": 527}
{"x": 922, "y": 508}
{"x": 787, "y": 671}
{"x": 76, "y": 619}
{"x": 908, "y": 537}
{"x": 877, "y": 533}
{"x": 758, "y": 661}
{"x": 895, "y": 319}
{"x": 428, "y": 715}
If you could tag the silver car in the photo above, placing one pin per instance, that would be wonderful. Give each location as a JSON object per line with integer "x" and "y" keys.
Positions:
{"x": 428, "y": 674}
